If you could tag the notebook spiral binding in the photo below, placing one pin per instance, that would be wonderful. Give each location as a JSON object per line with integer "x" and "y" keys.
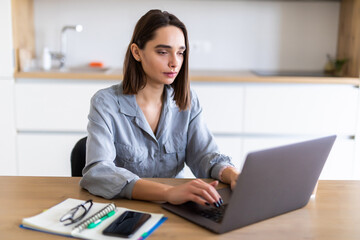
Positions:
{"x": 83, "y": 224}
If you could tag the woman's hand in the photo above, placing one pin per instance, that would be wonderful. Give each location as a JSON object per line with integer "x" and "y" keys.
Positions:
{"x": 197, "y": 191}
{"x": 230, "y": 176}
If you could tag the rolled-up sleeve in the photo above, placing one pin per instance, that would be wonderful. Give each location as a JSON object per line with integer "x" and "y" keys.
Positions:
{"x": 202, "y": 153}
{"x": 101, "y": 176}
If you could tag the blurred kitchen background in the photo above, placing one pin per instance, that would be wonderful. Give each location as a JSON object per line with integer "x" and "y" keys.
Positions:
{"x": 224, "y": 35}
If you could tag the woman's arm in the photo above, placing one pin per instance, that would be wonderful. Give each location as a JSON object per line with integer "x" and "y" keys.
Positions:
{"x": 196, "y": 190}
{"x": 202, "y": 152}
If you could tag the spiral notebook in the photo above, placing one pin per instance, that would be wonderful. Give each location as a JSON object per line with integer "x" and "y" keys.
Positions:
{"x": 48, "y": 221}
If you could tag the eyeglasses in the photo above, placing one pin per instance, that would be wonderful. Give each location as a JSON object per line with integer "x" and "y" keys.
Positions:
{"x": 77, "y": 213}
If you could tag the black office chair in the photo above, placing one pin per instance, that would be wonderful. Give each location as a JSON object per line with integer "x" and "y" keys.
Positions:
{"x": 78, "y": 155}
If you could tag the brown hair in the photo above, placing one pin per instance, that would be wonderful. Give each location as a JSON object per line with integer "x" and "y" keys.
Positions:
{"x": 134, "y": 75}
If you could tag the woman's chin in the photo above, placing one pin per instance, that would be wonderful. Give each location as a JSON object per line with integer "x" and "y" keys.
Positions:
{"x": 168, "y": 81}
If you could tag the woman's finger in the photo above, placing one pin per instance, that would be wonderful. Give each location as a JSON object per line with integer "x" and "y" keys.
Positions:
{"x": 214, "y": 183}
{"x": 199, "y": 192}
{"x": 208, "y": 192}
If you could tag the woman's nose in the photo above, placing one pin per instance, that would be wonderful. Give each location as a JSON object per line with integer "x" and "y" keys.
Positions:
{"x": 174, "y": 62}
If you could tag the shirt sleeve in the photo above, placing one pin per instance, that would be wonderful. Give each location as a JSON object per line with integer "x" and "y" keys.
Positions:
{"x": 100, "y": 176}
{"x": 202, "y": 153}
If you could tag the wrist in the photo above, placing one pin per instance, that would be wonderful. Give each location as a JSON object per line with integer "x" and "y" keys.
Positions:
{"x": 230, "y": 174}
{"x": 166, "y": 192}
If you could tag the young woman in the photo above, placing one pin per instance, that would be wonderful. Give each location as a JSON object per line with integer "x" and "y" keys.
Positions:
{"x": 151, "y": 124}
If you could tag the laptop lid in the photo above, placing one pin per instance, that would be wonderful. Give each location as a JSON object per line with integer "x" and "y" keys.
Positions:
{"x": 276, "y": 181}
{"x": 272, "y": 182}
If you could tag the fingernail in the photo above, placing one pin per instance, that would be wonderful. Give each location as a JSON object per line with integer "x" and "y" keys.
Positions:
{"x": 207, "y": 204}
{"x": 216, "y": 204}
{"x": 221, "y": 201}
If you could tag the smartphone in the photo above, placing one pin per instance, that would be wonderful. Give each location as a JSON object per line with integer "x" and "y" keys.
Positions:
{"x": 127, "y": 224}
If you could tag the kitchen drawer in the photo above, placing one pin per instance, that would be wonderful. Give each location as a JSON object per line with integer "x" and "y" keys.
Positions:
{"x": 45, "y": 154}
{"x": 54, "y": 105}
{"x": 300, "y": 109}
{"x": 222, "y": 104}
{"x": 339, "y": 164}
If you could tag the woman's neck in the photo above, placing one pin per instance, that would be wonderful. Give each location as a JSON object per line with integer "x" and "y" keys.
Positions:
{"x": 150, "y": 101}
{"x": 150, "y": 95}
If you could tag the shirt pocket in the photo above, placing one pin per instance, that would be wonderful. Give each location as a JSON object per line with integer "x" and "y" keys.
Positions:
{"x": 174, "y": 156}
{"x": 133, "y": 158}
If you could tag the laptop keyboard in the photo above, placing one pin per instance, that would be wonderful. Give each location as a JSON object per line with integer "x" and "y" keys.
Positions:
{"x": 215, "y": 214}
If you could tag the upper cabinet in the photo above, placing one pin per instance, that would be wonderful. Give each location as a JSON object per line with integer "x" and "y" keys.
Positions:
{"x": 6, "y": 59}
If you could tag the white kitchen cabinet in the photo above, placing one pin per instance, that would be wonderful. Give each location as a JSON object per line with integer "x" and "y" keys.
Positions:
{"x": 266, "y": 115}
{"x": 339, "y": 164}
{"x": 304, "y": 109}
{"x": 54, "y": 105}
{"x": 6, "y": 57}
{"x": 45, "y": 154}
{"x": 52, "y": 115}
{"x": 223, "y": 105}
{"x": 7, "y": 128}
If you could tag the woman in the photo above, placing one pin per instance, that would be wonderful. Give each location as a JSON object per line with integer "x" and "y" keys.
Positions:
{"x": 151, "y": 124}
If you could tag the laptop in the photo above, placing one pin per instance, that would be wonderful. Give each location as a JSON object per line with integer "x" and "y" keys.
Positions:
{"x": 272, "y": 182}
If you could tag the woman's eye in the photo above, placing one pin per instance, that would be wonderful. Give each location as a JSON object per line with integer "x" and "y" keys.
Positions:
{"x": 162, "y": 52}
{"x": 181, "y": 53}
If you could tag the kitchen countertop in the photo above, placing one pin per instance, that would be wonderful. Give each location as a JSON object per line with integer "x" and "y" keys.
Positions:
{"x": 195, "y": 76}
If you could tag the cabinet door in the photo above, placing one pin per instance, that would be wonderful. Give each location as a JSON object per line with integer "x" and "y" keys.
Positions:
{"x": 301, "y": 109}
{"x": 7, "y": 128}
{"x": 222, "y": 105}
{"x": 6, "y": 58}
{"x": 54, "y": 105}
{"x": 45, "y": 154}
{"x": 339, "y": 164}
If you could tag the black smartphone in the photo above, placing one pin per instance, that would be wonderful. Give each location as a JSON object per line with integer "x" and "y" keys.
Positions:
{"x": 127, "y": 224}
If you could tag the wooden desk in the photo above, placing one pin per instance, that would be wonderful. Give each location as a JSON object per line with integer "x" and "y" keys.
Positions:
{"x": 333, "y": 214}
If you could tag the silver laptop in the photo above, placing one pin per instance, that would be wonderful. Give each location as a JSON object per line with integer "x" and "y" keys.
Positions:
{"x": 272, "y": 182}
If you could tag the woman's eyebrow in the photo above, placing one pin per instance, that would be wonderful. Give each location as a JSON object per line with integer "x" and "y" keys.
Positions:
{"x": 168, "y": 46}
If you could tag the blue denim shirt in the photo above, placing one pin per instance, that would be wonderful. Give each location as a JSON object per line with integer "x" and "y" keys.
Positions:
{"x": 121, "y": 147}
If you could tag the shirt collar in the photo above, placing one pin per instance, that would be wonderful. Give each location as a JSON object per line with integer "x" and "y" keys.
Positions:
{"x": 128, "y": 106}
{"x": 127, "y": 102}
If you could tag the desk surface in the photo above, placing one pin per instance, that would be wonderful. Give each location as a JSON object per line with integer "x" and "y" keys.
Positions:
{"x": 333, "y": 214}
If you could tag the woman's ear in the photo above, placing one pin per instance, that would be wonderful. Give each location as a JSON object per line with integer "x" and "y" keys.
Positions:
{"x": 135, "y": 50}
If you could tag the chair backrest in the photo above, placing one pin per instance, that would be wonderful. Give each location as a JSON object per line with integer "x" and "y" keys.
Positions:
{"x": 78, "y": 158}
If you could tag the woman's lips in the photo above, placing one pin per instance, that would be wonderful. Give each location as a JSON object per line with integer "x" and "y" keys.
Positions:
{"x": 170, "y": 74}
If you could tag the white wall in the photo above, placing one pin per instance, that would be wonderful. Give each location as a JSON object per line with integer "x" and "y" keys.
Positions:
{"x": 235, "y": 35}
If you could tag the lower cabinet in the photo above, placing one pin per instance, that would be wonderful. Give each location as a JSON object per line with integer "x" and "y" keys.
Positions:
{"x": 51, "y": 116}
{"x": 45, "y": 154}
{"x": 339, "y": 164}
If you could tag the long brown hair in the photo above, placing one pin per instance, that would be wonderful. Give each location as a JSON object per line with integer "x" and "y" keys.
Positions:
{"x": 134, "y": 75}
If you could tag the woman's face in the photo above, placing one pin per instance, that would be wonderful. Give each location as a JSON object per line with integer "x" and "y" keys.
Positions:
{"x": 162, "y": 57}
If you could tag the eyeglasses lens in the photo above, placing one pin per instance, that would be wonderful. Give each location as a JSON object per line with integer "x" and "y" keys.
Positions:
{"x": 76, "y": 213}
